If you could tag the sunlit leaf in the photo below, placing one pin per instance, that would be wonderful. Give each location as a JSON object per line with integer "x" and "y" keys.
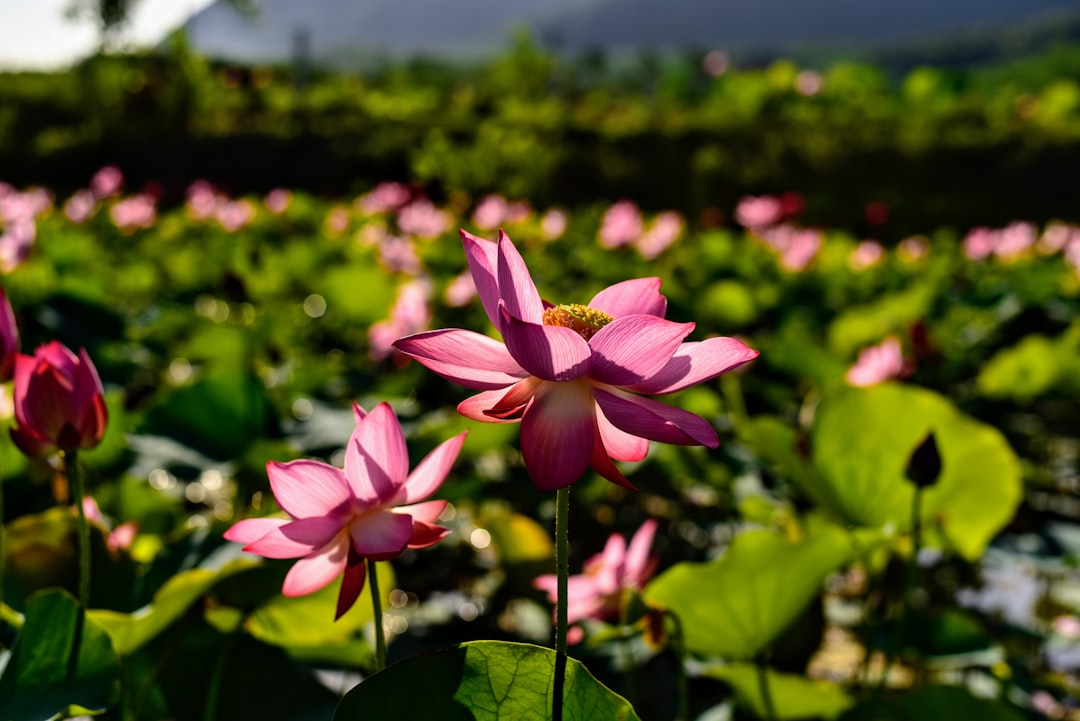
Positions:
{"x": 60, "y": 658}
{"x": 862, "y": 440}
{"x": 482, "y": 681}
{"x": 735, "y": 606}
{"x": 793, "y": 697}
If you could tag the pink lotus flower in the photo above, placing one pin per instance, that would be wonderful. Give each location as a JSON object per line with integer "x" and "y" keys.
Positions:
{"x": 202, "y": 200}
{"x": 597, "y": 593}
{"x": 9, "y": 338}
{"x": 80, "y": 206}
{"x": 756, "y": 212}
{"x": 490, "y": 212}
{"x": 107, "y": 182}
{"x": 16, "y": 242}
{"x": 384, "y": 197}
{"x": 665, "y": 230}
{"x": 422, "y": 219}
{"x": 553, "y": 224}
{"x": 411, "y": 313}
{"x": 373, "y": 509}
{"x": 878, "y": 363}
{"x": 570, "y": 373}
{"x": 116, "y": 539}
{"x": 622, "y": 224}
{"x": 867, "y": 254}
{"x": 235, "y": 214}
{"x": 138, "y": 211}
{"x": 277, "y": 201}
{"x": 59, "y": 402}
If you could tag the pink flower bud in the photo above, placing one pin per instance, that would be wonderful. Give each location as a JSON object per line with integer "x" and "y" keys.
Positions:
{"x": 59, "y": 402}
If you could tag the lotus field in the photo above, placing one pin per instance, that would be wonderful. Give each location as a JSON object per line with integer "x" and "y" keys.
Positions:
{"x": 381, "y": 457}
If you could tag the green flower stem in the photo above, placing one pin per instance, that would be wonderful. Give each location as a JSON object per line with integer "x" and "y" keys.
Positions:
{"x": 78, "y": 486}
{"x": 909, "y": 583}
{"x": 763, "y": 689}
{"x": 625, "y": 638}
{"x": 217, "y": 676}
{"x": 376, "y": 607}
{"x": 562, "y": 571}
{"x": 678, "y": 645}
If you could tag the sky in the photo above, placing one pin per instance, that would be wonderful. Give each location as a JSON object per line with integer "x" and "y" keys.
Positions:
{"x": 34, "y": 34}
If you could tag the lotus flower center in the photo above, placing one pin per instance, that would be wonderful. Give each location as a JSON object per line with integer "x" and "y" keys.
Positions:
{"x": 581, "y": 319}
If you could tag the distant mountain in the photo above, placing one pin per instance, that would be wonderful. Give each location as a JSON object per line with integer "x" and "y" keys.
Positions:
{"x": 336, "y": 29}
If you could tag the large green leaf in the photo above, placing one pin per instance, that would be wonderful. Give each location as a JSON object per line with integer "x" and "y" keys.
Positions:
{"x": 735, "y": 606}
{"x": 219, "y": 415}
{"x": 61, "y": 658}
{"x": 862, "y": 440}
{"x": 933, "y": 703}
{"x": 482, "y": 681}
{"x": 130, "y": 631}
{"x": 793, "y": 697}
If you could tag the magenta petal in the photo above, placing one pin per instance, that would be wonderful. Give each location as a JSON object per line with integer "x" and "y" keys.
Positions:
{"x": 602, "y": 464}
{"x": 427, "y": 511}
{"x": 382, "y": 534}
{"x": 550, "y": 352}
{"x": 307, "y": 488}
{"x": 694, "y": 363}
{"x": 636, "y": 566}
{"x": 316, "y": 571}
{"x": 618, "y": 444}
{"x": 31, "y": 443}
{"x": 633, "y": 348}
{"x": 377, "y": 460}
{"x": 654, "y": 420}
{"x": 483, "y": 257}
{"x": 516, "y": 287}
{"x": 352, "y": 583}
{"x": 631, "y": 297}
{"x": 252, "y": 529}
{"x": 476, "y": 407}
{"x": 358, "y": 412}
{"x": 430, "y": 472}
{"x": 557, "y": 435}
{"x": 86, "y": 379}
{"x": 464, "y": 357}
{"x": 296, "y": 539}
{"x": 426, "y": 535}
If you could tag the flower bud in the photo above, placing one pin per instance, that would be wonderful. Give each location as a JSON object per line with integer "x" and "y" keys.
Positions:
{"x": 924, "y": 466}
{"x": 59, "y": 403}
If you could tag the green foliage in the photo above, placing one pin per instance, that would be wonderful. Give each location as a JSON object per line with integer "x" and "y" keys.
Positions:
{"x": 862, "y": 440}
{"x": 793, "y": 697}
{"x": 485, "y": 681}
{"x": 736, "y": 606}
{"x": 60, "y": 659}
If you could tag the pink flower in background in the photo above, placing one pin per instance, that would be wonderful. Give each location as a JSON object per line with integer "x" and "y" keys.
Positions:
{"x": 980, "y": 243}
{"x": 384, "y": 198}
{"x": 622, "y": 224}
{"x": 866, "y": 255}
{"x": 797, "y": 246}
{"x": 107, "y": 182}
{"x": 399, "y": 255}
{"x": 571, "y": 373}
{"x": 24, "y": 207}
{"x": 411, "y": 314}
{"x": 235, "y": 214}
{"x": 59, "y": 402}
{"x": 809, "y": 83}
{"x": 913, "y": 248}
{"x": 80, "y": 206}
{"x": 490, "y": 212}
{"x": 460, "y": 291}
{"x": 138, "y": 211}
{"x": 16, "y": 242}
{"x": 277, "y": 201}
{"x": 1055, "y": 237}
{"x": 664, "y": 231}
{"x": 202, "y": 200}
{"x": 337, "y": 220}
{"x": 1014, "y": 240}
{"x": 597, "y": 593}
{"x": 9, "y": 338}
{"x": 715, "y": 63}
{"x": 422, "y": 219}
{"x": 553, "y": 224}
{"x": 758, "y": 212}
{"x": 879, "y": 363}
{"x": 116, "y": 539}
{"x": 373, "y": 509}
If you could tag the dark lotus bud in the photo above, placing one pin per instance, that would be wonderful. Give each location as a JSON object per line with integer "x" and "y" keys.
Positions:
{"x": 924, "y": 466}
